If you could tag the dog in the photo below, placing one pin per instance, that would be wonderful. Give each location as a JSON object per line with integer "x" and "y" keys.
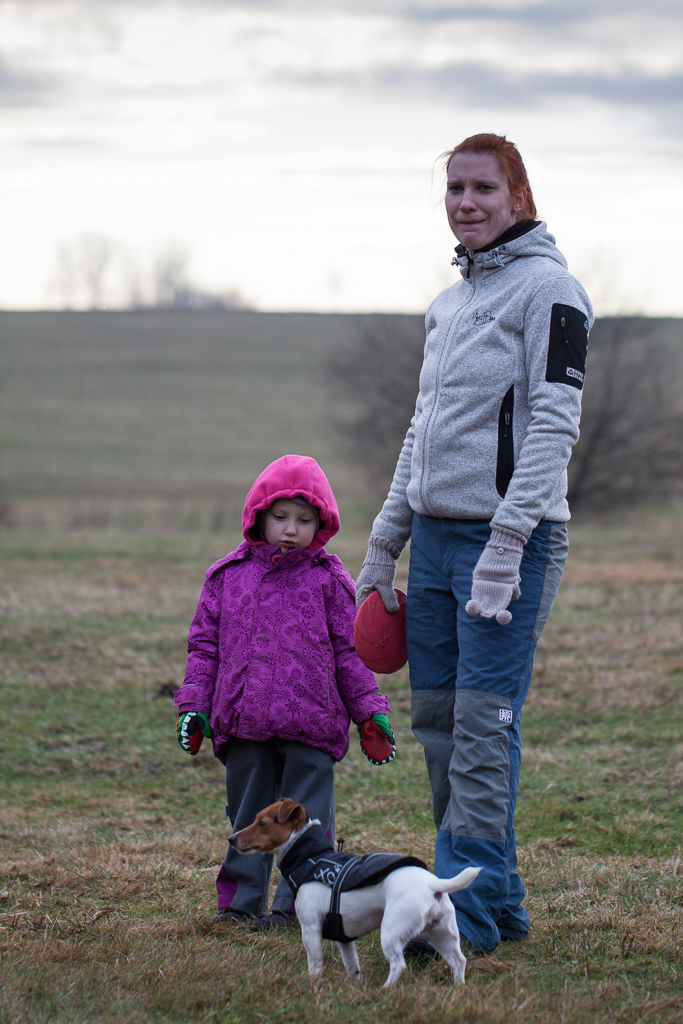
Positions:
{"x": 408, "y": 900}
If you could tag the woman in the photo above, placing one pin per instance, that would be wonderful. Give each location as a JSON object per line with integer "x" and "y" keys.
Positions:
{"x": 480, "y": 489}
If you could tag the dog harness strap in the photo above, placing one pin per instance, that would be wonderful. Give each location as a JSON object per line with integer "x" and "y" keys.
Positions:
{"x": 335, "y": 895}
{"x": 333, "y": 925}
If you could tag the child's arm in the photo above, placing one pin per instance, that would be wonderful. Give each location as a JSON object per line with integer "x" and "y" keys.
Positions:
{"x": 357, "y": 685}
{"x": 196, "y": 693}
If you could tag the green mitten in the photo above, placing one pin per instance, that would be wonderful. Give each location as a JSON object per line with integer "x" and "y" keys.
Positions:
{"x": 191, "y": 728}
{"x": 377, "y": 740}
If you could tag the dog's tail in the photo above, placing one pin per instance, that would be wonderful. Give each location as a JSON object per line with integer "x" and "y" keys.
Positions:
{"x": 460, "y": 881}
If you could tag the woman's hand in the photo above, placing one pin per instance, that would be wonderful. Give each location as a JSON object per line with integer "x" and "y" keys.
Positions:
{"x": 495, "y": 580}
{"x": 379, "y": 569}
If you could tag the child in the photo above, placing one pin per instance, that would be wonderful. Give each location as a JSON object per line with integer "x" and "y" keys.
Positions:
{"x": 272, "y": 674}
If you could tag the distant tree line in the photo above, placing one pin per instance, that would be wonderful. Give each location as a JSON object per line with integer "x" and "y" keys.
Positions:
{"x": 93, "y": 271}
{"x": 631, "y": 427}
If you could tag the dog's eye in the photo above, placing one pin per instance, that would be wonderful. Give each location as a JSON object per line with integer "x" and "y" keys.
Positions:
{"x": 261, "y": 823}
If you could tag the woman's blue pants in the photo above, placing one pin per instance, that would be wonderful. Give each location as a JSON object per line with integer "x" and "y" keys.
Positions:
{"x": 469, "y": 678}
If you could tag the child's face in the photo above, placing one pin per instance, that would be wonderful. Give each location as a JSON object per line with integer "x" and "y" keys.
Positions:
{"x": 289, "y": 524}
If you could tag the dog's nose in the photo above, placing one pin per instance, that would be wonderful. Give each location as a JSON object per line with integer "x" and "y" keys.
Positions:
{"x": 232, "y": 840}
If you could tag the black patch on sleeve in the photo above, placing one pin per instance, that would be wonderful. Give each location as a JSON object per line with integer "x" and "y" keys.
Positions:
{"x": 567, "y": 346}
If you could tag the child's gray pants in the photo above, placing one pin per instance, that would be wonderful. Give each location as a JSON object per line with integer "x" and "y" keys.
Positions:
{"x": 256, "y": 775}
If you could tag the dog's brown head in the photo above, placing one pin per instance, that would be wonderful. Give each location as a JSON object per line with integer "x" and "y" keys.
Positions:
{"x": 272, "y": 828}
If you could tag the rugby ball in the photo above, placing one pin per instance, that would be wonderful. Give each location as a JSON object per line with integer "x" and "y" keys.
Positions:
{"x": 379, "y": 636}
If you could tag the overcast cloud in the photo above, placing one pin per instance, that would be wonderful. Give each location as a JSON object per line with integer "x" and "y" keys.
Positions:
{"x": 312, "y": 128}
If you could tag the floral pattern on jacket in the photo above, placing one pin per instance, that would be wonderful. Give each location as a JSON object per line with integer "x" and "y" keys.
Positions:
{"x": 271, "y": 651}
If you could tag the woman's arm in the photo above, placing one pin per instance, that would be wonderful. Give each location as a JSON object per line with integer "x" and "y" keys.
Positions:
{"x": 356, "y": 684}
{"x": 390, "y": 530}
{"x": 556, "y": 328}
{"x": 553, "y": 351}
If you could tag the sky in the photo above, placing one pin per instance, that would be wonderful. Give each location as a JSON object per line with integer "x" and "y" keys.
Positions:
{"x": 288, "y": 152}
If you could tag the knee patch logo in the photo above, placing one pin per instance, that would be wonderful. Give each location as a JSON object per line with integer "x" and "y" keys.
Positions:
{"x": 505, "y": 715}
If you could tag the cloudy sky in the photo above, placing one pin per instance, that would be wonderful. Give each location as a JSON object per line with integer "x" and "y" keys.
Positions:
{"x": 289, "y": 150}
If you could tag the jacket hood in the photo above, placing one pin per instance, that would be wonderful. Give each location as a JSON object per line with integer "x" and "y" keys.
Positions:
{"x": 537, "y": 242}
{"x": 289, "y": 477}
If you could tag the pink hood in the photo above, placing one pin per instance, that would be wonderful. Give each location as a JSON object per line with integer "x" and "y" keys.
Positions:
{"x": 288, "y": 477}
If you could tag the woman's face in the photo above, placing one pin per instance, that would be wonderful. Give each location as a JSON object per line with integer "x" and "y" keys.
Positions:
{"x": 479, "y": 205}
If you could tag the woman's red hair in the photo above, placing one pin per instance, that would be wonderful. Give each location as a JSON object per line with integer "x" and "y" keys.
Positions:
{"x": 510, "y": 162}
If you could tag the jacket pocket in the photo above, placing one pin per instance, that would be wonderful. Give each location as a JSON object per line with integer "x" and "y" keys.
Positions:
{"x": 505, "y": 464}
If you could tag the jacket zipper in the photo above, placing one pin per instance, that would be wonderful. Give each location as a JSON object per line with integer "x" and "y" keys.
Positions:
{"x": 439, "y": 375}
{"x": 505, "y": 462}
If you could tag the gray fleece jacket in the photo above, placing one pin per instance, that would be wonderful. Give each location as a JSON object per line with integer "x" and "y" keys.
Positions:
{"x": 500, "y": 394}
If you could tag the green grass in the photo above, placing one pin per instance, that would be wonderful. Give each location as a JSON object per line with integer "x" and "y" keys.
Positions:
{"x": 111, "y": 836}
{"x": 128, "y": 442}
{"x": 160, "y": 420}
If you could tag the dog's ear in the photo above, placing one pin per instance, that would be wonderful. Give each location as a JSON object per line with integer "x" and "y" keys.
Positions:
{"x": 290, "y": 809}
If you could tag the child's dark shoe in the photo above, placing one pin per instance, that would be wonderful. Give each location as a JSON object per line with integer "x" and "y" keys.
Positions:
{"x": 277, "y": 919}
{"x": 228, "y": 916}
{"x": 420, "y": 948}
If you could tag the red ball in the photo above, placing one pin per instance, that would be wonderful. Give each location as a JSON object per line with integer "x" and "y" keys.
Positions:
{"x": 379, "y": 636}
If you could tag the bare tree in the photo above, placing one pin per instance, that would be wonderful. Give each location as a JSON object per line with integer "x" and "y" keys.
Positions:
{"x": 632, "y": 420}
{"x": 170, "y": 276}
{"x": 81, "y": 267}
{"x": 375, "y": 380}
{"x": 94, "y": 255}
{"x": 65, "y": 276}
{"x": 96, "y": 272}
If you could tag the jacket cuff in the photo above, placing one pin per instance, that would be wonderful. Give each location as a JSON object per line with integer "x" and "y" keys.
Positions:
{"x": 382, "y": 552}
{"x": 367, "y": 706}
{"x": 502, "y": 537}
{"x": 508, "y": 533}
{"x": 193, "y": 697}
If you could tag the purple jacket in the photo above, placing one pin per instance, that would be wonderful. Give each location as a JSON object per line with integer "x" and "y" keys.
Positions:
{"x": 271, "y": 651}
{"x": 271, "y": 645}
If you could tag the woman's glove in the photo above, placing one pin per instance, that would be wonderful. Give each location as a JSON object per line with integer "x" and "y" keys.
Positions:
{"x": 379, "y": 569}
{"x": 495, "y": 580}
{"x": 191, "y": 728}
{"x": 377, "y": 740}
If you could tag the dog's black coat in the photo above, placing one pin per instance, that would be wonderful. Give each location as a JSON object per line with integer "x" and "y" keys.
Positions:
{"x": 312, "y": 858}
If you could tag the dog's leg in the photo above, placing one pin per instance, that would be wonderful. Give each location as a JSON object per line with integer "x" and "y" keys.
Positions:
{"x": 312, "y": 937}
{"x": 445, "y": 938}
{"x": 350, "y": 958}
{"x": 402, "y": 920}
{"x": 392, "y": 947}
{"x": 395, "y": 931}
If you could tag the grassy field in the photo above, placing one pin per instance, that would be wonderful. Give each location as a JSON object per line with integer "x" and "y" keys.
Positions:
{"x": 128, "y": 442}
{"x": 160, "y": 421}
{"x": 111, "y": 836}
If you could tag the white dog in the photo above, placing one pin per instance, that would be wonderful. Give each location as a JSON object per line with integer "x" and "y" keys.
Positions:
{"x": 407, "y": 901}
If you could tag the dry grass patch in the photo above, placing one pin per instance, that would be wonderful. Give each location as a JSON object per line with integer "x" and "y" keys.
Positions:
{"x": 110, "y": 838}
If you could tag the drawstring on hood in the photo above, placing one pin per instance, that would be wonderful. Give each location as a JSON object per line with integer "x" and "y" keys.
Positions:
{"x": 463, "y": 255}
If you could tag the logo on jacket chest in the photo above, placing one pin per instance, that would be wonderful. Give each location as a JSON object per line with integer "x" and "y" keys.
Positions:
{"x": 485, "y": 317}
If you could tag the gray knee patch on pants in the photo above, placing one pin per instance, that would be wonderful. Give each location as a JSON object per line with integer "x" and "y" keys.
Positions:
{"x": 479, "y": 772}
{"x": 432, "y": 723}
